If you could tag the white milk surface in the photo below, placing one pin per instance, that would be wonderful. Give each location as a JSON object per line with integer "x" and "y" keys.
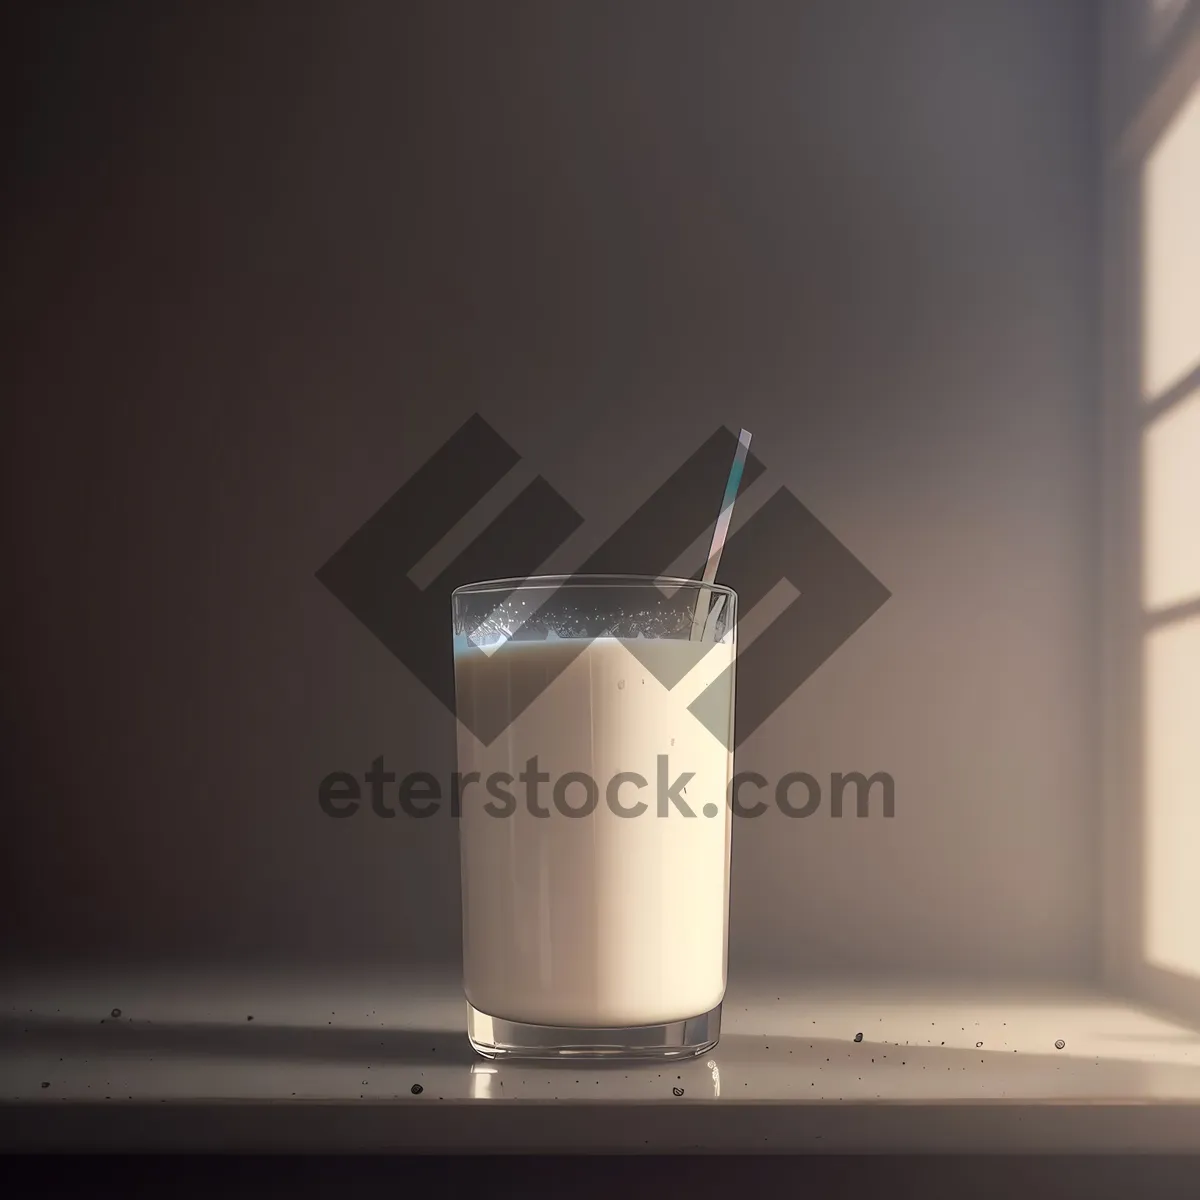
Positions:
{"x": 600, "y": 920}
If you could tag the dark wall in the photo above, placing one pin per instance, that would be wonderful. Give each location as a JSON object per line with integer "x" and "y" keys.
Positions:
{"x": 261, "y": 260}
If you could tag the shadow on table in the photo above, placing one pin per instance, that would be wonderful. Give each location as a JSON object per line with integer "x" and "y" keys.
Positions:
{"x": 254, "y": 1039}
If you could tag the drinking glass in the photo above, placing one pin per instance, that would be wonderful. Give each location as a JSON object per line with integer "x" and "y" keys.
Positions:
{"x": 595, "y": 754}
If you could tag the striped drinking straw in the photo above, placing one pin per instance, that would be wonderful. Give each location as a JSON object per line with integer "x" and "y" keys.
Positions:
{"x": 700, "y": 619}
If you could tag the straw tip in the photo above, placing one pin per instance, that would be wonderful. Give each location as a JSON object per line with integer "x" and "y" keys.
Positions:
{"x": 744, "y": 437}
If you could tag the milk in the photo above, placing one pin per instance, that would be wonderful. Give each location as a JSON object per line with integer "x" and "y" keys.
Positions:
{"x": 602, "y": 920}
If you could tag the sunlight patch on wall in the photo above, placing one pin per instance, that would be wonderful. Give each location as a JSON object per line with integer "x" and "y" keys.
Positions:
{"x": 1171, "y": 741}
{"x": 1171, "y": 253}
{"x": 1171, "y": 504}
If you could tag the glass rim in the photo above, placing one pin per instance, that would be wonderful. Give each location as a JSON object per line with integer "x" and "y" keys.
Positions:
{"x": 557, "y": 582}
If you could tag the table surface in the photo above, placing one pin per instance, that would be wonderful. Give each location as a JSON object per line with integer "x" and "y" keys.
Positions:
{"x": 273, "y": 1060}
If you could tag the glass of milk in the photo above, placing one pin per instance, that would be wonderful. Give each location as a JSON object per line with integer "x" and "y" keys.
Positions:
{"x": 595, "y": 754}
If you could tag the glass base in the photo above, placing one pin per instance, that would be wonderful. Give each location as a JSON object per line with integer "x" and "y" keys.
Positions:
{"x": 494, "y": 1038}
